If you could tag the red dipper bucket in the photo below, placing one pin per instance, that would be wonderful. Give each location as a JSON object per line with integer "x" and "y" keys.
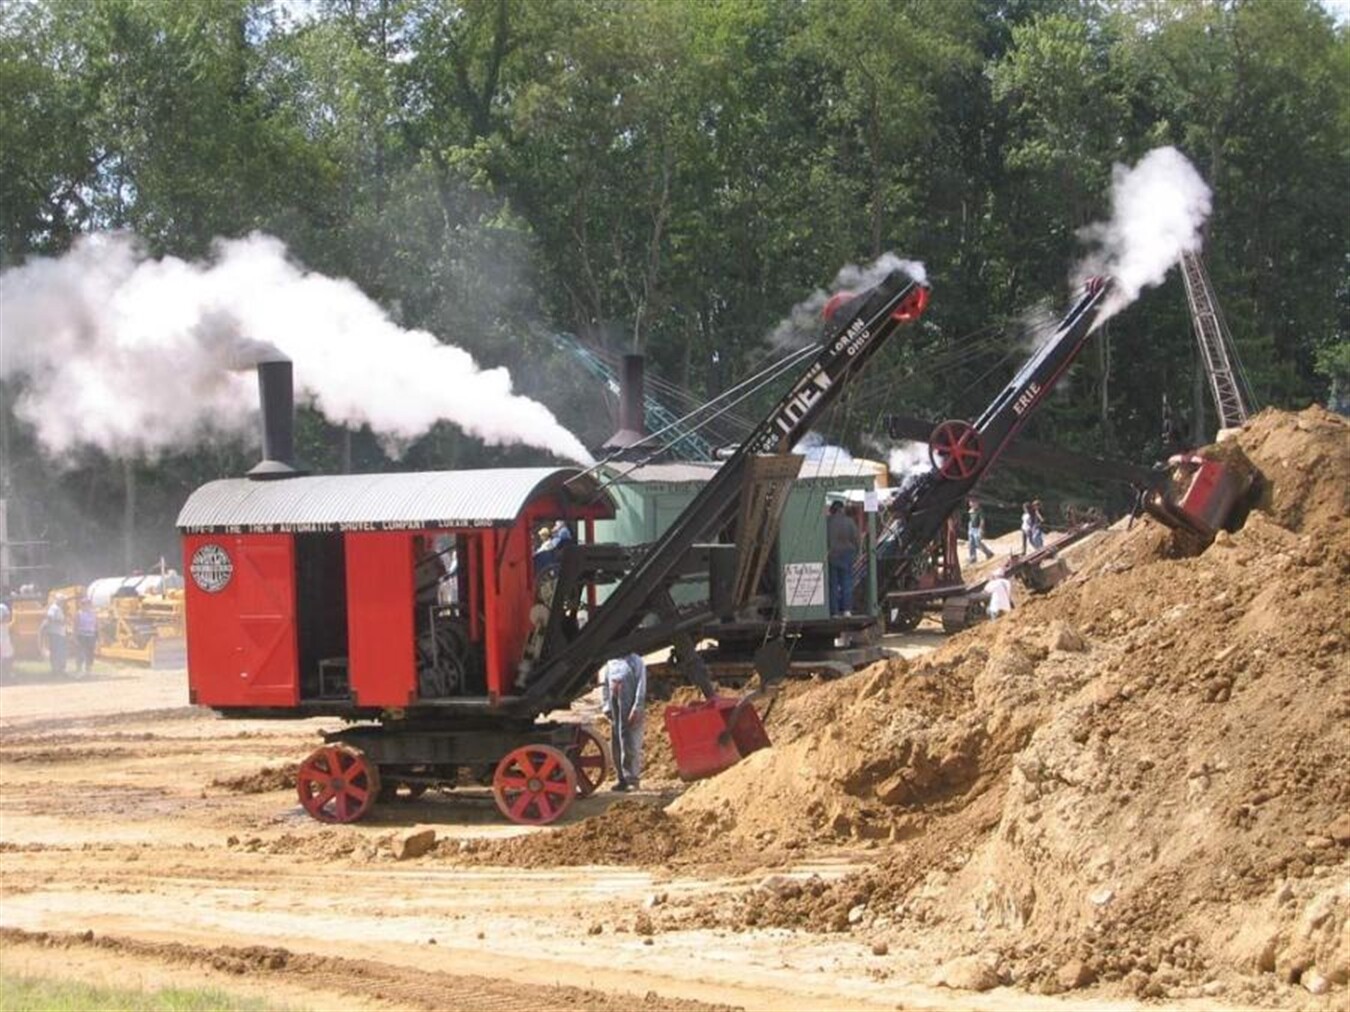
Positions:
{"x": 708, "y": 737}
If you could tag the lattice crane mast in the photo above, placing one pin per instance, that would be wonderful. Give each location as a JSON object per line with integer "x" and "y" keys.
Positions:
{"x": 1233, "y": 398}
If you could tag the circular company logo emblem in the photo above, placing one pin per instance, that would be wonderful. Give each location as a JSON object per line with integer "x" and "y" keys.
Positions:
{"x": 211, "y": 568}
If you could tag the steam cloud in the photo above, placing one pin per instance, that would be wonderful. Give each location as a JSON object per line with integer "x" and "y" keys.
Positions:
{"x": 908, "y": 459}
{"x": 1158, "y": 209}
{"x": 136, "y": 355}
{"x": 802, "y": 324}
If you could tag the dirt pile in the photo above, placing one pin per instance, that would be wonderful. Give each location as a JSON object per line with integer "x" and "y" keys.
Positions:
{"x": 1140, "y": 777}
{"x": 269, "y": 778}
{"x": 629, "y": 832}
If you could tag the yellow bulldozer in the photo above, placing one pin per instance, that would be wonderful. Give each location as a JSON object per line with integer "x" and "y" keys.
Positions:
{"x": 139, "y": 617}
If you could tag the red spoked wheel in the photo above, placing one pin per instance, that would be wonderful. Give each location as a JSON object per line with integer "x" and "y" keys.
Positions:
{"x": 587, "y": 755}
{"x": 955, "y": 450}
{"x": 337, "y": 783}
{"x": 534, "y": 784}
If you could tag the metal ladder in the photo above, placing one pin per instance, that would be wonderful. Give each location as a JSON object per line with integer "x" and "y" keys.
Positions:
{"x": 1227, "y": 381}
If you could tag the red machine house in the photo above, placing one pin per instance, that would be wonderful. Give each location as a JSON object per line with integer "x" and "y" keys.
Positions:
{"x": 350, "y": 594}
{"x": 418, "y": 608}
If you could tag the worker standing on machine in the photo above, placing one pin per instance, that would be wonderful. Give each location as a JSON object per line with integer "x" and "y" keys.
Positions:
{"x": 841, "y": 544}
{"x": 623, "y": 694}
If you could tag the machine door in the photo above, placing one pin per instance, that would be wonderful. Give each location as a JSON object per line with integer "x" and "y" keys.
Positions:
{"x": 381, "y": 636}
{"x": 241, "y": 620}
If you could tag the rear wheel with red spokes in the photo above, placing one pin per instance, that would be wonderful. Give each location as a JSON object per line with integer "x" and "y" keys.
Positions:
{"x": 587, "y": 755}
{"x": 337, "y": 783}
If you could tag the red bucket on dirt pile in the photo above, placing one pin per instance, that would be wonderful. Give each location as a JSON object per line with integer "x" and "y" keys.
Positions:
{"x": 708, "y": 737}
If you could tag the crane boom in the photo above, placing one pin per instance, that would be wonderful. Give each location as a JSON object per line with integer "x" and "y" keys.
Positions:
{"x": 858, "y": 328}
{"x": 1232, "y": 396}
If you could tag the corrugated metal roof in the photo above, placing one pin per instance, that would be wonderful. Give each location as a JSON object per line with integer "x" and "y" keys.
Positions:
{"x": 620, "y": 472}
{"x": 407, "y": 500}
{"x": 824, "y": 465}
{"x": 836, "y": 465}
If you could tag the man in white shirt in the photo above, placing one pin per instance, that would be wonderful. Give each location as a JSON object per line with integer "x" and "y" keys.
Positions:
{"x": 999, "y": 590}
{"x": 53, "y": 631}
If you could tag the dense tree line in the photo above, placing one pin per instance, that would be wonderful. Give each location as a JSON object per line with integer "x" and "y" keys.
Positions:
{"x": 674, "y": 176}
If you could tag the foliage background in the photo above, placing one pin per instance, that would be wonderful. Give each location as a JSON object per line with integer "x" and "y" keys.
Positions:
{"x": 672, "y": 177}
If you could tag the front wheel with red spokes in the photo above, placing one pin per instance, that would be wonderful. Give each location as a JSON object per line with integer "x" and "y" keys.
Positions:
{"x": 534, "y": 784}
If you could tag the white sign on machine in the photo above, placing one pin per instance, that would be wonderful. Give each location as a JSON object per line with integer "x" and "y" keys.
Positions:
{"x": 803, "y": 584}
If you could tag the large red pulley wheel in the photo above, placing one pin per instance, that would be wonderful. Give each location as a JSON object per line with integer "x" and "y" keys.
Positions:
{"x": 587, "y": 755}
{"x": 534, "y": 784}
{"x": 955, "y": 450}
{"x": 337, "y": 783}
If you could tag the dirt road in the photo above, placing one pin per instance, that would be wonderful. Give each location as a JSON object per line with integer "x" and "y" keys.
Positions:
{"x": 132, "y": 851}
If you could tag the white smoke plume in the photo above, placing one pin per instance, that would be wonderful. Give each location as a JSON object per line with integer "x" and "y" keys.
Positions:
{"x": 136, "y": 355}
{"x": 1036, "y": 325}
{"x": 908, "y": 459}
{"x": 1158, "y": 208}
{"x": 803, "y": 321}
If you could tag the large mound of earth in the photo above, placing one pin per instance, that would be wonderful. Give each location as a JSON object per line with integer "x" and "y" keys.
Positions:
{"x": 1143, "y": 776}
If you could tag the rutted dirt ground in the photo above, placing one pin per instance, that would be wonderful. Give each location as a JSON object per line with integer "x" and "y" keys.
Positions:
{"x": 1134, "y": 789}
{"x": 143, "y": 847}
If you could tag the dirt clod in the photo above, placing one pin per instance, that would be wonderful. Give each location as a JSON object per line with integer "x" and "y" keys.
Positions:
{"x": 415, "y": 843}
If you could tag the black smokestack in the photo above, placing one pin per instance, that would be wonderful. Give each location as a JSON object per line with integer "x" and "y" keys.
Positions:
{"x": 632, "y": 401}
{"x": 632, "y": 415}
{"x": 276, "y": 397}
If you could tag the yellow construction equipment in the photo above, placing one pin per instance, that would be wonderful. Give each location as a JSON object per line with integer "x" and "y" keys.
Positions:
{"x": 28, "y": 611}
{"x": 125, "y": 632}
{"x": 139, "y": 616}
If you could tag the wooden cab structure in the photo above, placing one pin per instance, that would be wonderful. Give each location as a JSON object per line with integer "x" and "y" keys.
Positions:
{"x": 356, "y": 595}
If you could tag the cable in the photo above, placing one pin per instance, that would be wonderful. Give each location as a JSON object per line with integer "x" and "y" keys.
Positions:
{"x": 671, "y": 390}
{"x": 755, "y": 383}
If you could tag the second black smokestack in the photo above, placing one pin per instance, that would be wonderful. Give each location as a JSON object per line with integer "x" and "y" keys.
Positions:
{"x": 276, "y": 397}
{"x": 632, "y": 405}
